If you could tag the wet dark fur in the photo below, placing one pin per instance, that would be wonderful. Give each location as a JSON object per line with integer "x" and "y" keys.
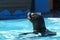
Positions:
{"x": 38, "y": 23}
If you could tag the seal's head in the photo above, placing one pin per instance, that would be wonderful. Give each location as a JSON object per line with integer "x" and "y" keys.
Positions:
{"x": 33, "y": 15}
{"x": 30, "y": 15}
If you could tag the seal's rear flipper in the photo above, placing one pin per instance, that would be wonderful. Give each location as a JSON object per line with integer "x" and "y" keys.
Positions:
{"x": 26, "y": 33}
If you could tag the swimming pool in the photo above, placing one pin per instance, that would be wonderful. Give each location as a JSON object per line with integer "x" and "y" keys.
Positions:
{"x": 10, "y": 29}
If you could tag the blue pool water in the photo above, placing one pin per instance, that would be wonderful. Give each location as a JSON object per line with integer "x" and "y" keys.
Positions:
{"x": 10, "y": 29}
